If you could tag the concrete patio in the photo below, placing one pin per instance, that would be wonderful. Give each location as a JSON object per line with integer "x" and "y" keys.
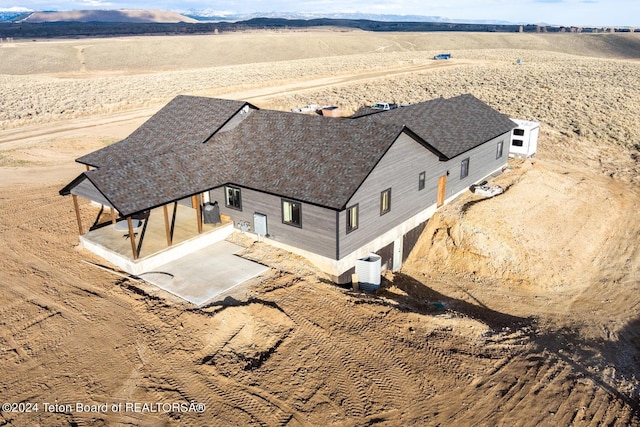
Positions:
{"x": 205, "y": 274}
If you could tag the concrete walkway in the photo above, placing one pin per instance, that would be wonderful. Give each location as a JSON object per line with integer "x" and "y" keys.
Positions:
{"x": 202, "y": 275}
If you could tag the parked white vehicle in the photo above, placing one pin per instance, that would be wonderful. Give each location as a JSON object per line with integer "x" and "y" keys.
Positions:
{"x": 384, "y": 106}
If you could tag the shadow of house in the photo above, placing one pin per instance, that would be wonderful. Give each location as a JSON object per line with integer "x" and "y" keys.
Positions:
{"x": 611, "y": 364}
{"x": 422, "y": 299}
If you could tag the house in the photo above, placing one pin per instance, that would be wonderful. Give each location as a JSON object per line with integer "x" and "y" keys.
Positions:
{"x": 330, "y": 189}
{"x": 524, "y": 138}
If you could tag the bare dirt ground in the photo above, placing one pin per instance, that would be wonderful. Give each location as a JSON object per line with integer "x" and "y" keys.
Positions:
{"x": 517, "y": 310}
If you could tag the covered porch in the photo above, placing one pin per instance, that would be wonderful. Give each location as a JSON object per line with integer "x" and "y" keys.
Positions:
{"x": 141, "y": 242}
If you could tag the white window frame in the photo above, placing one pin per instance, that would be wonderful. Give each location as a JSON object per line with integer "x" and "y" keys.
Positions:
{"x": 229, "y": 199}
{"x": 385, "y": 201}
{"x": 288, "y": 207}
{"x": 499, "y": 149}
{"x": 353, "y": 220}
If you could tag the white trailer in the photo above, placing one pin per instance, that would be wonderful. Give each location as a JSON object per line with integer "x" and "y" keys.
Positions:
{"x": 524, "y": 138}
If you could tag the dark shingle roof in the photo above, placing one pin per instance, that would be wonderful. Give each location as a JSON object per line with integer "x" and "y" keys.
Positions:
{"x": 182, "y": 150}
{"x": 156, "y": 180}
{"x": 309, "y": 158}
{"x": 313, "y": 159}
{"x": 186, "y": 119}
{"x": 452, "y": 126}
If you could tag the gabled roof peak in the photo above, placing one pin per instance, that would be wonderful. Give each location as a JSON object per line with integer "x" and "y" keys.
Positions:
{"x": 451, "y": 126}
{"x": 185, "y": 119}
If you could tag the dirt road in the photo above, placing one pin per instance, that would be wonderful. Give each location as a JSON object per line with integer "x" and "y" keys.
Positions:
{"x": 122, "y": 123}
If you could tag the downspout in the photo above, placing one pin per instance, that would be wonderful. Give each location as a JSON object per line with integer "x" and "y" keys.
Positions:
{"x": 337, "y": 235}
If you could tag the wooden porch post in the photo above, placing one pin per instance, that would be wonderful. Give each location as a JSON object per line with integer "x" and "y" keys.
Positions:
{"x": 132, "y": 238}
{"x": 77, "y": 208}
{"x": 167, "y": 229}
{"x": 196, "y": 202}
{"x": 113, "y": 216}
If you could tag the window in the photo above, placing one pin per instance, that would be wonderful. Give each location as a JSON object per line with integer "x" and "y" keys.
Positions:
{"x": 292, "y": 213}
{"x": 352, "y": 218}
{"x": 518, "y": 132}
{"x": 232, "y": 198}
{"x": 385, "y": 201}
{"x": 464, "y": 168}
{"x": 421, "y": 179}
{"x": 517, "y": 143}
{"x": 499, "y": 149}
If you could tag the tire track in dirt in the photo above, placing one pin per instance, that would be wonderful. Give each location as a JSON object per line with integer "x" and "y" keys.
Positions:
{"x": 350, "y": 389}
{"x": 266, "y": 408}
{"x": 199, "y": 382}
{"x": 433, "y": 351}
{"x": 19, "y": 321}
{"x": 345, "y": 375}
{"x": 220, "y": 394}
{"x": 22, "y": 136}
{"x": 259, "y": 405}
{"x": 58, "y": 313}
{"x": 528, "y": 382}
{"x": 345, "y": 348}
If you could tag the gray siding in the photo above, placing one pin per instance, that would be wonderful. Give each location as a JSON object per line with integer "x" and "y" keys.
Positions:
{"x": 482, "y": 161}
{"x": 399, "y": 170}
{"x": 318, "y": 232}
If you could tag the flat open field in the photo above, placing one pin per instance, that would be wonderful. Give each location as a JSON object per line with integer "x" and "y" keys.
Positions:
{"x": 521, "y": 310}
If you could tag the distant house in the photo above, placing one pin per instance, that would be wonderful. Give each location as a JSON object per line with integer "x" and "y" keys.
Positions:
{"x": 329, "y": 189}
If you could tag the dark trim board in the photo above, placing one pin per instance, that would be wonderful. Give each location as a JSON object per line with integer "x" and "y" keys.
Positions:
{"x": 337, "y": 235}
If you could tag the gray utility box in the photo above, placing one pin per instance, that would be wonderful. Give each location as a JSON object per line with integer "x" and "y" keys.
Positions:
{"x": 260, "y": 224}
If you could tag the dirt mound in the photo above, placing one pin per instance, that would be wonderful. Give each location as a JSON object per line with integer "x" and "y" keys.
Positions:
{"x": 555, "y": 226}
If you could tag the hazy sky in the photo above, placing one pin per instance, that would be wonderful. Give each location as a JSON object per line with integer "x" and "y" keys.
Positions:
{"x": 561, "y": 12}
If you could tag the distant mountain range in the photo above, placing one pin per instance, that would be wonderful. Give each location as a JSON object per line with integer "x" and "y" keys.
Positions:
{"x": 21, "y": 23}
{"x": 217, "y": 16}
{"x": 11, "y": 14}
{"x": 191, "y": 15}
{"x": 109, "y": 16}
